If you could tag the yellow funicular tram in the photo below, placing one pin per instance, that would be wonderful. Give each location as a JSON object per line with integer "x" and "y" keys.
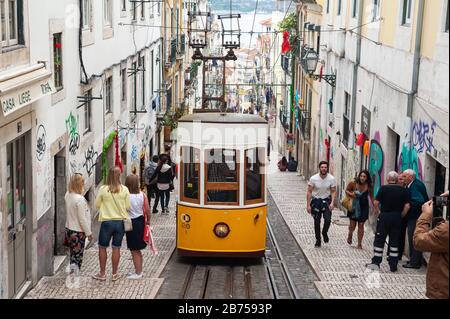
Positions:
{"x": 222, "y": 206}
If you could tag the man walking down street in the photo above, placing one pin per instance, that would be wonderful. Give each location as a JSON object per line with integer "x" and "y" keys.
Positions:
{"x": 152, "y": 191}
{"x": 394, "y": 202}
{"x": 320, "y": 199}
{"x": 419, "y": 196}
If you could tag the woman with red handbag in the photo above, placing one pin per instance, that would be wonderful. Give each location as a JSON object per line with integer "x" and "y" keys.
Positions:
{"x": 140, "y": 216}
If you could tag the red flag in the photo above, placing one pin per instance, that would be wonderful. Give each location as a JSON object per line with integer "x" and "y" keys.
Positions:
{"x": 286, "y": 46}
{"x": 118, "y": 161}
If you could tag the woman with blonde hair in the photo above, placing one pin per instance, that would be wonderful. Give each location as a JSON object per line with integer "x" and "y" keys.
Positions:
{"x": 78, "y": 220}
{"x": 113, "y": 202}
{"x": 135, "y": 238}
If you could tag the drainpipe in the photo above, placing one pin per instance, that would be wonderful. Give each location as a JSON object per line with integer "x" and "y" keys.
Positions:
{"x": 416, "y": 68}
{"x": 356, "y": 66}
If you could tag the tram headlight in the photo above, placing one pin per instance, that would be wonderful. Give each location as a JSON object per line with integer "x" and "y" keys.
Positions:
{"x": 221, "y": 230}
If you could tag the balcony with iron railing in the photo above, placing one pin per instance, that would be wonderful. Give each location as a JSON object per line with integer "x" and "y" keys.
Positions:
{"x": 182, "y": 45}
{"x": 305, "y": 124}
{"x": 173, "y": 50}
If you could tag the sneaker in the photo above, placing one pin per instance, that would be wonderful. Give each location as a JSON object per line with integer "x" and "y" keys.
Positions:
{"x": 155, "y": 211}
{"x": 166, "y": 211}
{"x": 325, "y": 238}
{"x": 393, "y": 268}
{"x": 134, "y": 277}
{"x": 318, "y": 244}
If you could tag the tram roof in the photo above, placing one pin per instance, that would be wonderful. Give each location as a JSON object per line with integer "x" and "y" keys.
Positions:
{"x": 225, "y": 118}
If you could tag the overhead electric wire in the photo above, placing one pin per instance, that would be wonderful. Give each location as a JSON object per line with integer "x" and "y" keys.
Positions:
{"x": 253, "y": 24}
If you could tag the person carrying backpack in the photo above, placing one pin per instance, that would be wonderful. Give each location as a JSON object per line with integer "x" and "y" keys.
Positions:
{"x": 152, "y": 191}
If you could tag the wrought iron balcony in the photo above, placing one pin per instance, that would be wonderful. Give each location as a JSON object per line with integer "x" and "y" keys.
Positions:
{"x": 305, "y": 125}
{"x": 182, "y": 48}
{"x": 173, "y": 50}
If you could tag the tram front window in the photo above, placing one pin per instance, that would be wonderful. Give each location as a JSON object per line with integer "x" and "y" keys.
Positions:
{"x": 190, "y": 162}
{"x": 254, "y": 175}
{"x": 222, "y": 182}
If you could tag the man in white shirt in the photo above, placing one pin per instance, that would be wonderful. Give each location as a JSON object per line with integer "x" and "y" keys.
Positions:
{"x": 320, "y": 199}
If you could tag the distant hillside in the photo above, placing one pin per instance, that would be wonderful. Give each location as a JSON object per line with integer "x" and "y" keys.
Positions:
{"x": 264, "y": 6}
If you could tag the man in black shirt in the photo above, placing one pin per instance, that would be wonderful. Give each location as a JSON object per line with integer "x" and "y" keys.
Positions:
{"x": 394, "y": 201}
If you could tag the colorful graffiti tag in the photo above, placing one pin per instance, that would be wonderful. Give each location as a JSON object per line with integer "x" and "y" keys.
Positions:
{"x": 376, "y": 162}
{"x": 423, "y": 135}
{"x": 72, "y": 130}
{"x": 409, "y": 159}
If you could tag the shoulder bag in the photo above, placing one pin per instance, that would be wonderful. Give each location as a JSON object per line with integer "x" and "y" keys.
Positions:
{"x": 347, "y": 202}
{"x": 127, "y": 223}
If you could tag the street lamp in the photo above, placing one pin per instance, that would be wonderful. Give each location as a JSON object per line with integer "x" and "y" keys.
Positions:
{"x": 310, "y": 59}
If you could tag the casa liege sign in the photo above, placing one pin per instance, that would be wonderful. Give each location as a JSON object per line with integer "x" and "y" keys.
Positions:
{"x": 26, "y": 95}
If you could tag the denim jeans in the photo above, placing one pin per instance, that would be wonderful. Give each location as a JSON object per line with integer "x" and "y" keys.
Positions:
{"x": 164, "y": 198}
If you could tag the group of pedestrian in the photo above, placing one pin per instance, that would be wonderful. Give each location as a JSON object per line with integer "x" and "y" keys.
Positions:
{"x": 158, "y": 178}
{"x": 118, "y": 205}
{"x": 399, "y": 205}
{"x": 290, "y": 166}
{"x": 402, "y": 206}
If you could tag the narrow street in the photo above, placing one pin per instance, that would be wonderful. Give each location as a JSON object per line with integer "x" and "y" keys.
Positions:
{"x": 334, "y": 271}
{"x": 248, "y": 115}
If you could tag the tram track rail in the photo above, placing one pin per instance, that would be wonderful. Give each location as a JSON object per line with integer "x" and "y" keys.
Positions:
{"x": 285, "y": 272}
{"x": 236, "y": 284}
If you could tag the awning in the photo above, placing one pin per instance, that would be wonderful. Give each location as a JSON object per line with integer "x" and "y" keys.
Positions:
{"x": 23, "y": 87}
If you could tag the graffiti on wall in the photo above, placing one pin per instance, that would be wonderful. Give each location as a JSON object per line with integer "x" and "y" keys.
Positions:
{"x": 134, "y": 153}
{"x": 41, "y": 136}
{"x": 43, "y": 174}
{"x": 376, "y": 163}
{"x": 409, "y": 159}
{"x": 90, "y": 158}
{"x": 72, "y": 130}
{"x": 423, "y": 135}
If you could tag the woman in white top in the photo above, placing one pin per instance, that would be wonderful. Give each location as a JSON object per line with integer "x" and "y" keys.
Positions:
{"x": 78, "y": 221}
{"x": 135, "y": 238}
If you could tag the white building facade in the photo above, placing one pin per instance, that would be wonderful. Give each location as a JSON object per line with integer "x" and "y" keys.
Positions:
{"x": 96, "y": 82}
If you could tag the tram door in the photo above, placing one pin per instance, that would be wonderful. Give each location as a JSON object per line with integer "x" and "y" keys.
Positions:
{"x": 17, "y": 202}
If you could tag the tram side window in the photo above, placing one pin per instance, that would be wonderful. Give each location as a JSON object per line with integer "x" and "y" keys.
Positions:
{"x": 254, "y": 175}
{"x": 190, "y": 159}
{"x": 222, "y": 182}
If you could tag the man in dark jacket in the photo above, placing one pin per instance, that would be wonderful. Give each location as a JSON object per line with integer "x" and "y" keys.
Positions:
{"x": 419, "y": 196}
{"x": 151, "y": 187}
{"x": 435, "y": 241}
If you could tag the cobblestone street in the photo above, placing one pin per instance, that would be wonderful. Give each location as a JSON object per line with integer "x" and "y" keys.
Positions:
{"x": 60, "y": 286}
{"x": 340, "y": 267}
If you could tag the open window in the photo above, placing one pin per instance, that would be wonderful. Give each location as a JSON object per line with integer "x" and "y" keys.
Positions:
{"x": 254, "y": 176}
{"x": 190, "y": 174}
{"x": 221, "y": 177}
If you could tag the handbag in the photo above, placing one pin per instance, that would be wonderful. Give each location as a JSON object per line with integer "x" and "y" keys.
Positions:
{"x": 127, "y": 223}
{"x": 148, "y": 236}
{"x": 347, "y": 203}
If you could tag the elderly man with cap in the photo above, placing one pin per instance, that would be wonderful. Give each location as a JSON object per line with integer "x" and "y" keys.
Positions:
{"x": 419, "y": 196}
